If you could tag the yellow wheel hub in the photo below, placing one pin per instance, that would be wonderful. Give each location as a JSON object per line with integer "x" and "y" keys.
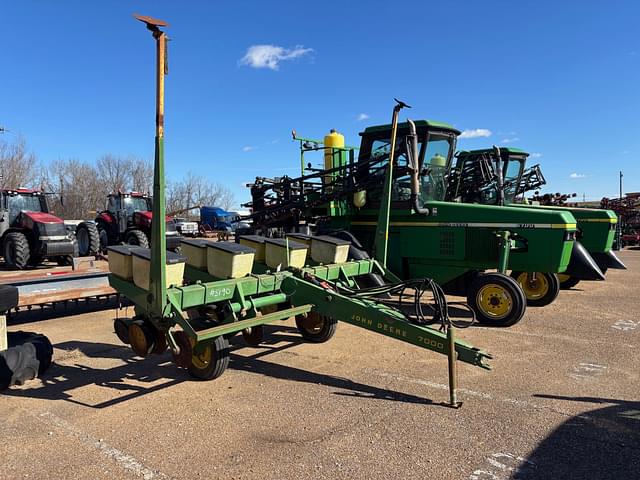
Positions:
{"x": 494, "y": 301}
{"x": 202, "y": 354}
{"x": 563, "y": 277}
{"x": 534, "y": 287}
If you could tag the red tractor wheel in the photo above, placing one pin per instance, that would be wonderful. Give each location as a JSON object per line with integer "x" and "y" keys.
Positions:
{"x": 16, "y": 250}
{"x": 137, "y": 237}
{"x": 88, "y": 239}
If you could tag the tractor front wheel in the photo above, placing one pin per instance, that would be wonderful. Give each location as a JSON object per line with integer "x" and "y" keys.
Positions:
{"x": 316, "y": 328}
{"x": 540, "y": 288}
{"x": 496, "y": 299}
{"x": 567, "y": 281}
{"x": 87, "y": 239}
{"x": 137, "y": 237}
{"x": 16, "y": 250}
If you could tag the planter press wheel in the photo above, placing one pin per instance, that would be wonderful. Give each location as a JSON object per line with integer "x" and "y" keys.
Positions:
{"x": 315, "y": 327}
{"x": 567, "y": 281}
{"x": 540, "y": 290}
{"x": 205, "y": 360}
{"x": 496, "y": 299}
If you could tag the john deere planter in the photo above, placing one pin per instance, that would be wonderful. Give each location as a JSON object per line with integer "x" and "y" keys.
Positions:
{"x": 194, "y": 303}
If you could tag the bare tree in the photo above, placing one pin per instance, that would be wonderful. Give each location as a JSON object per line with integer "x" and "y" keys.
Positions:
{"x": 79, "y": 191}
{"x": 114, "y": 172}
{"x": 141, "y": 173}
{"x": 18, "y": 166}
{"x": 194, "y": 190}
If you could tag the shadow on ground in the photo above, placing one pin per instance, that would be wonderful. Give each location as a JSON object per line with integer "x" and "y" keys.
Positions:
{"x": 136, "y": 377}
{"x": 600, "y": 444}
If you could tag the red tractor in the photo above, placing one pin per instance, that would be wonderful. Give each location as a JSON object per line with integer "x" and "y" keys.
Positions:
{"x": 126, "y": 220}
{"x": 29, "y": 233}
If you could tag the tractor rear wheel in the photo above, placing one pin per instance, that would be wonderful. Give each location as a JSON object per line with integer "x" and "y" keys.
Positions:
{"x": 88, "y": 239}
{"x": 137, "y": 237}
{"x": 539, "y": 288}
{"x": 16, "y": 250}
{"x": 567, "y": 281}
{"x": 496, "y": 299}
{"x": 210, "y": 358}
{"x": 316, "y": 328}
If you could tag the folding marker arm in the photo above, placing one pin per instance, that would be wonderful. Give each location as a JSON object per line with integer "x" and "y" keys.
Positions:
{"x": 378, "y": 318}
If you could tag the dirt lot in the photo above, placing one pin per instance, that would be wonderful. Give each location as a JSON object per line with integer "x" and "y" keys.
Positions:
{"x": 562, "y": 402}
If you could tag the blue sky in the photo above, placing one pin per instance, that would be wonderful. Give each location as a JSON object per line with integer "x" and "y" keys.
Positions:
{"x": 560, "y": 79}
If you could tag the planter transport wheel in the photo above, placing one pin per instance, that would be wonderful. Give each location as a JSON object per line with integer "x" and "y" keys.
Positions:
{"x": 315, "y": 327}
{"x": 141, "y": 337}
{"x": 210, "y": 358}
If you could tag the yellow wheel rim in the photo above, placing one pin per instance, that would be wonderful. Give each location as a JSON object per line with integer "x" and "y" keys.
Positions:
{"x": 494, "y": 301}
{"x": 202, "y": 355}
{"x": 534, "y": 288}
{"x": 138, "y": 339}
{"x": 563, "y": 277}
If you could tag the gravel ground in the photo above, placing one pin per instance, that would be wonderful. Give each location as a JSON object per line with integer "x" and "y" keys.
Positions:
{"x": 561, "y": 402}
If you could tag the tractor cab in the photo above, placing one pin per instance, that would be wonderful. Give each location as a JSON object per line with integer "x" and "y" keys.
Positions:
{"x": 129, "y": 209}
{"x": 488, "y": 176}
{"x": 435, "y": 144}
{"x": 14, "y": 202}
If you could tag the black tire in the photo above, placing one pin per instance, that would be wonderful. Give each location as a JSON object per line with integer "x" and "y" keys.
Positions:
{"x": 496, "y": 299}
{"x": 88, "y": 239}
{"x": 137, "y": 237}
{"x": 209, "y": 359}
{"x": 543, "y": 291}
{"x": 569, "y": 283}
{"x": 103, "y": 236}
{"x": 316, "y": 328}
{"x": 28, "y": 355}
{"x": 16, "y": 250}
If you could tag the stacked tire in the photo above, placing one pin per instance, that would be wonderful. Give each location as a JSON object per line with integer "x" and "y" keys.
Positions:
{"x": 28, "y": 356}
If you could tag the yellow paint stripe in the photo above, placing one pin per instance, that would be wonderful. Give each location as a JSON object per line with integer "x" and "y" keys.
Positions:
{"x": 600, "y": 220}
{"x": 563, "y": 226}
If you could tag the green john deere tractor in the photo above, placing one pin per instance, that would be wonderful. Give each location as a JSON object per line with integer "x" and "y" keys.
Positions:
{"x": 478, "y": 177}
{"x": 456, "y": 244}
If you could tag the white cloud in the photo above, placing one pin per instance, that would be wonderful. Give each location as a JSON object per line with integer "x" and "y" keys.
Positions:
{"x": 270, "y": 56}
{"x": 363, "y": 116}
{"x": 475, "y": 133}
{"x": 248, "y": 148}
{"x": 510, "y": 140}
{"x": 535, "y": 155}
{"x": 577, "y": 175}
